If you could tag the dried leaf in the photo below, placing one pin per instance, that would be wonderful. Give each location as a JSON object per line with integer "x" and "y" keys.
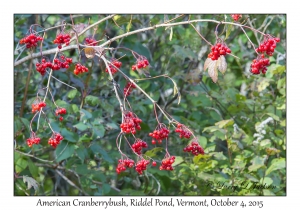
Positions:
{"x": 206, "y": 63}
{"x": 30, "y": 182}
{"x": 171, "y": 34}
{"x": 89, "y": 52}
{"x": 272, "y": 151}
{"x": 213, "y": 71}
{"x": 79, "y": 27}
{"x": 175, "y": 90}
{"x": 222, "y": 65}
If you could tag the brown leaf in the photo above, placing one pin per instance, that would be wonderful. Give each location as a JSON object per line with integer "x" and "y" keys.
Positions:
{"x": 79, "y": 27}
{"x": 89, "y": 52}
{"x": 222, "y": 65}
{"x": 213, "y": 71}
{"x": 206, "y": 63}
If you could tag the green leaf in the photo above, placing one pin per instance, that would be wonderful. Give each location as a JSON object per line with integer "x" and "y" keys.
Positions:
{"x": 276, "y": 165}
{"x": 61, "y": 103}
{"x": 85, "y": 137}
{"x": 99, "y": 131}
{"x": 81, "y": 126}
{"x": 105, "y": 188}
{"x": 198, "y": 159}
{"x": 240, "y": 97}
{"x": 75, "y": 108}
{"x": 73, "y": 93}
{"x": 228, "y": 31}
{"x": 92, "y": 100}
{"x": 64, "y": 150}
{"x": 153, "y": 152}
{"x": 218, "y": 155}
{"x": 21, "y": 165}
{"x": 203, "y": 141}
{"x": 275, "y": 117}
{"x": 34, "y": 170}
{"x": 267, "y": 181}
{"x": 184, "y": 53}
{"x": 211, "y": 129}
{"x": 81, "y": 152}
{"x": 224, "y": 123}
{"x": 257, "y": 163}
{"x": 85, "y": 114}
{"x": 68, "y": 135}
{"x": 178, "y": 160}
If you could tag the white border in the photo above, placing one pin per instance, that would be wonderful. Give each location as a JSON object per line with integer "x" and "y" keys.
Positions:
{"x": 172, "y": 7}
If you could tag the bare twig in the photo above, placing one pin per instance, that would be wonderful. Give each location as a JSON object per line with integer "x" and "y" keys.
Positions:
{"x": 70, "y": 182}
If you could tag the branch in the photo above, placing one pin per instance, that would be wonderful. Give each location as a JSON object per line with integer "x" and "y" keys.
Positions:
{"x": 51, "y": 51}
{"x": 70, "y": 182}
{"x": 25, "y": 154}
{"x": 47, "y": 52}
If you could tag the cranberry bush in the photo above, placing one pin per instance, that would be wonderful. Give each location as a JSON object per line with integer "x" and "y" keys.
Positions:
{"x": 135, "y": 104}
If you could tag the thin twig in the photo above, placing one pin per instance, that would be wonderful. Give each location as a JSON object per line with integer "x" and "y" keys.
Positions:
{"x": 70, "y": 182}
{"x": 25, "y": 154}
{"x": 26, "y": 87}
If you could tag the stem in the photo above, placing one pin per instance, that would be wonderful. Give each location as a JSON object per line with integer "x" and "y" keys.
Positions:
{"x": 114, "y": 83}
{"x": 249, "y": 40}
{"x": 26, "y": 87}
{"x": 201, "y": 35}
{"x": 86, "y": 86}
{"x": 25, "y": 154}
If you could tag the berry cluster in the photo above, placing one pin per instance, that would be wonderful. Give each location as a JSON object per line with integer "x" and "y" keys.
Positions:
{"x": 123, "y": 164}
{"x": 62, "y": 62}
{"x": 236, "y": 17}
{"x": 259, "y": 65}
{"x": 159, "y": 134}
{"x": 79, "y": 69}
{"x": 269, "y": 45}
{"x": 217, "y": 50}
{"x": 166, "y": 164}
{"x": 59, "y": 112}
{"x": 41, "y": 67}
{"x": 140, "y": 64}
{"x": 55, "y": 139}
{"x": 62, "y": 39}
{"x": 184, "y": 132}
{"x": 131, "y": 123}
{"x": 138, "y": 145}
{"x": 33, "y": 140}
{"x": 128, "y": 88}
{"x": 141, "y": 166}
{"x": 31, "y": 40}
{"x": 90, "y": 41}
{"x": 37, "y": 106}
{"x": 194, "y": 148}
{"x": 115, "y": 63}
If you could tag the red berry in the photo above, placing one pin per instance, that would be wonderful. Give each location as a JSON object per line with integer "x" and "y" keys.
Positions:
{"x": 236, "y": 17}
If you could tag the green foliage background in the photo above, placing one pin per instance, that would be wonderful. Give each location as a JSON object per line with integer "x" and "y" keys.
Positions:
{"x": 225, "y": 116}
